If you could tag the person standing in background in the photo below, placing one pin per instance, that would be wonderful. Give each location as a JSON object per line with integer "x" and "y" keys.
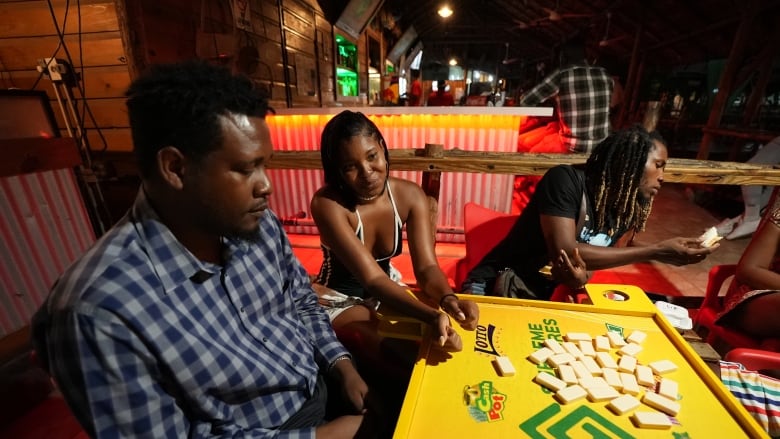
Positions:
{"x": 582, "y": 96}
{"x": 441, "y": 97}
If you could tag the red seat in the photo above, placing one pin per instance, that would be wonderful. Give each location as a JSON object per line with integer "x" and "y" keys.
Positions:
{"x": 754, "y": 359}
{"x": 713, "y": 305}
{"x": 483, "y": 229}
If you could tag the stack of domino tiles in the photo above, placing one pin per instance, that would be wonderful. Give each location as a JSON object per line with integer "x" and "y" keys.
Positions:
{"x": 604, "y": 370}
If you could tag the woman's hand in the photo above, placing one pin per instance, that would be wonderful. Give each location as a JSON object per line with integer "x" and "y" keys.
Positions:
{"x": 571, "y": 272}
{"x": 447, "y": 339}
{"x": 465, "y": 312}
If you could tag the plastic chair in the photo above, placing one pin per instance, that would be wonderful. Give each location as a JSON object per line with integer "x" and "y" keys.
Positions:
{"x": 483, "y": 229}
{"x": 713, "y": 305}
{"x": 754, "y": 359}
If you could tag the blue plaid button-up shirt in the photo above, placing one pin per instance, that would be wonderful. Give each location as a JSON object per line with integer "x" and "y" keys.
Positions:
{"x": 145, "y": 340}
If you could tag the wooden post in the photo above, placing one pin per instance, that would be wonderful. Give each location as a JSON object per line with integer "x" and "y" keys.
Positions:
{"x": 766, "y": 58}
{"x": 431, "y": 183}
{"x": 130, "y": 18}
{"x": 631, "y": 82}
{"x": 635, "y": 104}
{"x": 726, "y": 83}
{"x": 652, "y": 113}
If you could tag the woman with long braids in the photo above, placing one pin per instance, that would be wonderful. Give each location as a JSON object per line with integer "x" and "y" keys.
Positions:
{"x": 588, "y": 209}
{"x": 360, "y": 214}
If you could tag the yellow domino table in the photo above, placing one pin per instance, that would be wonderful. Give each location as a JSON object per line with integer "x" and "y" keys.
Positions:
{"x": 464, "y": 397}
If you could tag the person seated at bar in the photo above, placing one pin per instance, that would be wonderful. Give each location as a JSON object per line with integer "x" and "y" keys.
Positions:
{"x": 752, "y": 302}
{"x": 582, "y": 97}
{"x": 582, "y": 102}
{"x": 192, "y": 317}
{"x": 589, "y": 208}
{"x": 441, "y": 97}
{"x": 360, "y": 213}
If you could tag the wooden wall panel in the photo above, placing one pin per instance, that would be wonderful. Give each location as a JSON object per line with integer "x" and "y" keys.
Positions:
{"x": 94, "y": 50}
{"x": 99, "y": 82}
{"x": 98, "y": 49}
{"x": 299, "y": 43}
{"x": 117, "y": 139}
{"x": 108, "y": 113}
{"x": 32, "y": 18}
{"x": 325, "y": 57}
{"x": 163, "y": 31}
{"x": 267, "y": 9}
{"x": 169, "y": 30}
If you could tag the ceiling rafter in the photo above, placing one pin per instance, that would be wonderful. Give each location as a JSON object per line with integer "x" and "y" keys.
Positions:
{"x": 480, "y": 29}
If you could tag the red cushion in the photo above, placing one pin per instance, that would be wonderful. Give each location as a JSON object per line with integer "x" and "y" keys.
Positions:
{"x": 49, "y": 419}
{"x": 483, "y": 229}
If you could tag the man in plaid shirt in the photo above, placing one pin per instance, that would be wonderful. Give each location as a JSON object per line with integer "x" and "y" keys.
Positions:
{"x": 192, "y": 317}
{"x": 582, "y": 95}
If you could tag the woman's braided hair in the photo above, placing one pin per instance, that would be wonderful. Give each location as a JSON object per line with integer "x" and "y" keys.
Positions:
{"x": 613, "y": 174}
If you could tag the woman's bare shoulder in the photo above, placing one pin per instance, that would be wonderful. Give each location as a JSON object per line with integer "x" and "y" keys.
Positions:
{"x": 405, "y": 187}
{"x": 327, "y": 199}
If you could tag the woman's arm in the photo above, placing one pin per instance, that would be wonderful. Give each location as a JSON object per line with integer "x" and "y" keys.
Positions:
{"x": 332, "y": 220}
{"x": 419, "y": 233}
{"x": 430, "y": 278}
{"x": 755, "y": 266}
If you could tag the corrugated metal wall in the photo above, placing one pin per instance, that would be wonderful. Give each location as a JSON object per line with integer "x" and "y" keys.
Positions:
{"x": 293, "y": 189}
{"x": 44, "y": 227}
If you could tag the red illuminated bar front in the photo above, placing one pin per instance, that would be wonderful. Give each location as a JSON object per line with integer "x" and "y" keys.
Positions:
{"x": 493, "y": 129}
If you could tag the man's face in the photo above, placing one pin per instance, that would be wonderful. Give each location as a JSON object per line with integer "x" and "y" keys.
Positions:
{"x": 653, "y": 176}
{"x": 230, "y": 187}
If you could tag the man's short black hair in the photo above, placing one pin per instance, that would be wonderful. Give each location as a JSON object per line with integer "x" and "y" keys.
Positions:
{"x": 178, "y": 105}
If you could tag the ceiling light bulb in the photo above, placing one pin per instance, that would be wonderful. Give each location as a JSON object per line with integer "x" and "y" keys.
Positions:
{"x": 445, "y": 11}
{"x": 453, "y": 62}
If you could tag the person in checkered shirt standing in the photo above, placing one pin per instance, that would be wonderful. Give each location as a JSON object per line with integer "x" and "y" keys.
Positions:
{"x": 582, "y": 95}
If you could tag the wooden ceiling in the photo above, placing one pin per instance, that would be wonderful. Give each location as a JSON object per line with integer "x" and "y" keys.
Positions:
{"x": 510, "y": 36}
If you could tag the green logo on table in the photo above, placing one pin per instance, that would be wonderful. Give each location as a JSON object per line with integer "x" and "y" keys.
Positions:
{"x": 614, "y": 328}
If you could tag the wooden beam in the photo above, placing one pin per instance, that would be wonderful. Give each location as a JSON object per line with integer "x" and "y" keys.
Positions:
{"x": 130, "y": 20}
{"x": 431, "y": 184}
{"x": 677, "y": 170}
{"x": 766, "y": 57}
{"x": 726, "y": 82}
{"x": 631, "y": 81}
{"x": 757, "y": 135}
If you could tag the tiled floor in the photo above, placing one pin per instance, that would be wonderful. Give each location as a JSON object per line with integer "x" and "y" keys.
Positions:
{"x": 674, "y": 214}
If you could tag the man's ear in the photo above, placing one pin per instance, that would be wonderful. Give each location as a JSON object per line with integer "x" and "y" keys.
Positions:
{"x": 170, "y": 165}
